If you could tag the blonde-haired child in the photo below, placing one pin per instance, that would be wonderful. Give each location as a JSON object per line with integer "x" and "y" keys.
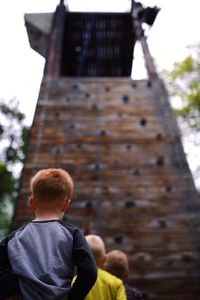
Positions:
{"x": 107, "y": 286}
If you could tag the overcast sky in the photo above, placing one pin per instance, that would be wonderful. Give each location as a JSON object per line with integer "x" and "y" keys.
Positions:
{"x": 21, "y": 68}
{"x": 177, "y": 25}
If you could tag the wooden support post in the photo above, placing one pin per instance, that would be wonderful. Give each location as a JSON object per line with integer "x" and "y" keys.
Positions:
{"x": 52, "y": 67}
{"x": 137, "y": 23}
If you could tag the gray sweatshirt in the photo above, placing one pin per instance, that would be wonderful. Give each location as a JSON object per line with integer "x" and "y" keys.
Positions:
{"x": 41, "y": 257}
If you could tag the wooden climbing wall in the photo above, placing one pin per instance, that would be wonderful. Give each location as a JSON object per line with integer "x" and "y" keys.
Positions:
{"x": 119, "y": 140}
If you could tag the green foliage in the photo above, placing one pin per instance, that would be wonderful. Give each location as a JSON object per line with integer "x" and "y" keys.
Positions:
{"x": 13, "y": 135}
{"x": 184, "y": 82}
{"x": 7, "y": 181}
{"x": 181, "y": 68}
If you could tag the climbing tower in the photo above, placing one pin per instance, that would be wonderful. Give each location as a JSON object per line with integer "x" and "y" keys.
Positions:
{"x": 119, "y": 140}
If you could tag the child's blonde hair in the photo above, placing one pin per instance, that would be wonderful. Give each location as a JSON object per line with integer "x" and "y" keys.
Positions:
{"x": 117, "y": 264}
{"x": 97, "y": 246}
{"x": 51, "y": 185}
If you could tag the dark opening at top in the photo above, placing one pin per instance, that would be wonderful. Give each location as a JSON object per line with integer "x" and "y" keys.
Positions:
{"x": 97, "y": 44}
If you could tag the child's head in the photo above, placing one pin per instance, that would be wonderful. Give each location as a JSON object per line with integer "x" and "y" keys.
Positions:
{"x": 50, "y": 188}
{"x": 117, "y": 264}
{"x": 98, "y": 248}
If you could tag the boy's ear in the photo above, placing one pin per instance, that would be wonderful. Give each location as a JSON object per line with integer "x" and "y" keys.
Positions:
{"x": 126, "y": 274}
{"x": 101, "y": 261}
{"x": 66, "y": 204}
{"x": 31, "y": 203}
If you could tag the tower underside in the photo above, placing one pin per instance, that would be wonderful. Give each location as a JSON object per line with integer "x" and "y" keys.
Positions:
{"x": 119, "y": 140}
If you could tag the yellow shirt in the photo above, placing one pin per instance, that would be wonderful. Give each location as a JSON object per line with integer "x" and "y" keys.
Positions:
{"x": 107, "y": 287}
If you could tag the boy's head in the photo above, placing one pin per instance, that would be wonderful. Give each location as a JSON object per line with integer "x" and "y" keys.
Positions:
{"x": 117, "y": 264}
{"x": 50, "y": 188}
{"x": 98, "y": 248}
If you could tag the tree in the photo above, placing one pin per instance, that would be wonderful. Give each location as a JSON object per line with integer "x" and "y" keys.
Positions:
{"x": 13, "y": 134}
{"x": 184, "y": 87}
{"x": 185, "y": 83}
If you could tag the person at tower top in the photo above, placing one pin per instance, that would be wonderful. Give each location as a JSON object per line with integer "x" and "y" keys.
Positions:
{"x": 38, "y": 259}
